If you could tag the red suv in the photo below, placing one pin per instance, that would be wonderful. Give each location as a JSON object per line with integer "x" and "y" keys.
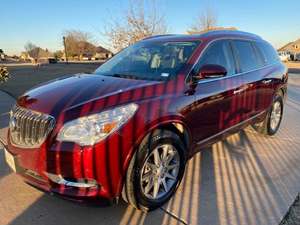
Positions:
{"x": 128, "y": 129}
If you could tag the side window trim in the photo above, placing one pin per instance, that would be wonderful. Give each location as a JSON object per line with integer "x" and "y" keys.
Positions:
{"x": 237, "y": 60}
{"x": 259, "y": 54}
{"x": 234, "y": 57}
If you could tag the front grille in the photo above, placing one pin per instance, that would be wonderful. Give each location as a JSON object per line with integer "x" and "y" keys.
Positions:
{"x": 29, "y": 129}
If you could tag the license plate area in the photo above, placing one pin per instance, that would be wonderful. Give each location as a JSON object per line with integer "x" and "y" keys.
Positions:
{"x": 10, "y": 160}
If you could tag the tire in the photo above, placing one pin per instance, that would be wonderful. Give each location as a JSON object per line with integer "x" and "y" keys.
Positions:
{"x": 266, "y": 127}
{"x": 134, "y": 191}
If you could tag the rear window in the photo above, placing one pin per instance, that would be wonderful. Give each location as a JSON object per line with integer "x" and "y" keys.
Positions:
{"x": 246, "y": 56}
{"x": 269, "y": 53}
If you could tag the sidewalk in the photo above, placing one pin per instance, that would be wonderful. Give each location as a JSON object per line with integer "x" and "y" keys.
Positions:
{"x": 6, "y": 103}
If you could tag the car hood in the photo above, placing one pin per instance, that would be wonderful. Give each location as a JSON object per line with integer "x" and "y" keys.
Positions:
{"x": 66, "y": 93}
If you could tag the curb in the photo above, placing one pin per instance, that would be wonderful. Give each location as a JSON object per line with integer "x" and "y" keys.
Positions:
{"x": 9, "y": 94}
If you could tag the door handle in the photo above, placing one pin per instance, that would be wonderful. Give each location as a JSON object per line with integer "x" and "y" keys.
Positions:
{"x": 267, "y": 81}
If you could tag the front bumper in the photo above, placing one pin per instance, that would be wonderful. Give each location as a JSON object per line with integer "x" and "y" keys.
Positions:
{"x": 78, "y": 190}
{"x": 77, "y": 173}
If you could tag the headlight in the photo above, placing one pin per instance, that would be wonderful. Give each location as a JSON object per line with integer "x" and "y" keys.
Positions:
{"x": 94, "y": 128}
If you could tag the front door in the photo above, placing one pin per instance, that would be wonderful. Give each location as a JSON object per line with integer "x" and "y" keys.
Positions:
{"x": 217, "y": 103}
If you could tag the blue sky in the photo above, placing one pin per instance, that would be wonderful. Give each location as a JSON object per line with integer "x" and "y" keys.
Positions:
{"x": 43, "y": 22}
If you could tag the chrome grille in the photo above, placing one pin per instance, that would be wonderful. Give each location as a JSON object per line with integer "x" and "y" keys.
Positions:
{"x": 29, "y": 129}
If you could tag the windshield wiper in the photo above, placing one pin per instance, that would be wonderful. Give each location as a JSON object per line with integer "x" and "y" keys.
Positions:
{"x": 127, "y": 76}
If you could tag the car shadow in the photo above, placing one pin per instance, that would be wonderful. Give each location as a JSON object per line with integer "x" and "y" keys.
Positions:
{"x": 51, "y": 210}
{"x": 244, "y": 179}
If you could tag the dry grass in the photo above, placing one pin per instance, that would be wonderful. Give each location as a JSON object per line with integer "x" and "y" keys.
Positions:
{"x": 293, "y": 65}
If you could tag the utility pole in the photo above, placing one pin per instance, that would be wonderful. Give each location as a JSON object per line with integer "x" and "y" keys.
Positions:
{"x": 66, "y": 54}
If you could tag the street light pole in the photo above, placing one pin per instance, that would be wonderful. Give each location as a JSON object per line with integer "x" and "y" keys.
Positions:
{"x": 66, "y": 55}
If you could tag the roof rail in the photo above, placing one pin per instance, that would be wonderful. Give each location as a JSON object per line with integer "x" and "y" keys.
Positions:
{"x": 159, "y": 35}
{"x": 237, "y": 32}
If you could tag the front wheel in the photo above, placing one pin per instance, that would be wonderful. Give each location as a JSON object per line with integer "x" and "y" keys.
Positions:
{"x": 155, "y": 171}
{"x": 272, "y": 122}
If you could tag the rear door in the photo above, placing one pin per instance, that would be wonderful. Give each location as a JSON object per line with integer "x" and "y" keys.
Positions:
{"x": 249, "y": 65}
{"x": 270, "y": 58}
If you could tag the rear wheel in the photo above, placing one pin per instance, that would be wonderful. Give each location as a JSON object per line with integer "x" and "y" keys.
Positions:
{"x": 272, "y": 121}
{"x": 155, "y": 171}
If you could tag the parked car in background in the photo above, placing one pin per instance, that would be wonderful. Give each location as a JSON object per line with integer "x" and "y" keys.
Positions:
{"x": 128, "y": 129}
{"x": 52, "y": 60}
{"x": 284, "y": 56}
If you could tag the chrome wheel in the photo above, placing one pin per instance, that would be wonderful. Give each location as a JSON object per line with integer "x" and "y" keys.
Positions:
{"x": 160, "y": 171}
{"x": 275, "y": 115}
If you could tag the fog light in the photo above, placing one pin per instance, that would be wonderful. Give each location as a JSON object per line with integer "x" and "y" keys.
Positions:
{"x": 78, "y": 183}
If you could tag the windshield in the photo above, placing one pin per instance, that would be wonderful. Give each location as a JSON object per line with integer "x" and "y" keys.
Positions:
{"x": 149, "y": 60}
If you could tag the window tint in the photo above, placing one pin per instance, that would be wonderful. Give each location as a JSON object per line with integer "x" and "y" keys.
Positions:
{"x": 246, "y": 56}
{"x": 269, "y": 53}
{"x": 259, "y": 55}
{"x": 218, "y": 53}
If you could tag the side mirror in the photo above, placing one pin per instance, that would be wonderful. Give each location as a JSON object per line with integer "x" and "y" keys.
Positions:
{"x": 211, "y": 71}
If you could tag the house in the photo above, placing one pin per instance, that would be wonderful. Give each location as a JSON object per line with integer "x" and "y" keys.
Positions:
{"x": 84, "y": 50}
{"x": 37, "y": 55}
{"x": 89, "y": 51}
{"x": 292, "y": 47}
{"x": 25, "y": 57}
{"x": 102, "y": 53}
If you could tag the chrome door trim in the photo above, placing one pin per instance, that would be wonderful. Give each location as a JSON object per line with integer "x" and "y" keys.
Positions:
{"x": 229, "y": 128}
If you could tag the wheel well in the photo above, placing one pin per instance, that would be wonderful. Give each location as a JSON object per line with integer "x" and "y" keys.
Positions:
{"x": 281, "y": 90}
{"x": 178, "y": 129}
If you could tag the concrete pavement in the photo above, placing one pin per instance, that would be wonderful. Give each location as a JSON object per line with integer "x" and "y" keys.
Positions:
{"x": 245, "y": 179}
{"x": 6, "y": 103}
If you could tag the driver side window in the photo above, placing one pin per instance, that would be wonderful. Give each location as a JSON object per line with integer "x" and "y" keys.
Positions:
{"x": 219, "y": 53}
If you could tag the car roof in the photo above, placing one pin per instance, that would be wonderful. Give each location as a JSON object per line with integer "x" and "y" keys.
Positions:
{"x": 205, "y": 35}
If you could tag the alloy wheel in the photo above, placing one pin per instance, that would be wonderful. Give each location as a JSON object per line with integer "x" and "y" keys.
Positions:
{"x": 160, "y": 171}
{"x": 275, "y": 115}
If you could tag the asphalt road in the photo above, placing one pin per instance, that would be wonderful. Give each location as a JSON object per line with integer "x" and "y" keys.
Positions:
{"x": 293, "y": 93}
{"x": 244, "y": 179}
{"x": 25, "y": 77}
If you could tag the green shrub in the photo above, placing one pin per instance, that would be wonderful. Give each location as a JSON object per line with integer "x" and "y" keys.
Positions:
{"x": 4, "y": 75}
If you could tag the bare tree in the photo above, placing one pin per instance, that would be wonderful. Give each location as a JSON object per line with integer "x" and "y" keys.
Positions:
{"x": 29, "y": 46}
{"x": 78, "y": 43}
{"x": 58, "y": 54}
{"x": 136, "y": 24}
{"x": 33, "y": 51}
{"x": 36, "y": 53}
{"x": 204, "y": 22}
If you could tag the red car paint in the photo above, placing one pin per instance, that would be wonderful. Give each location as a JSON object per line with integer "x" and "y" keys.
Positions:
{"x": 206, "y": 111}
